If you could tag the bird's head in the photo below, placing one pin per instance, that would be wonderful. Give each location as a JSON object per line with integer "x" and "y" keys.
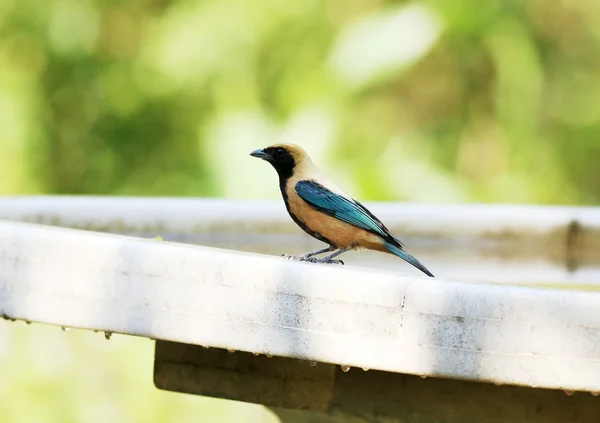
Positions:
{"x": 283, "y": 157}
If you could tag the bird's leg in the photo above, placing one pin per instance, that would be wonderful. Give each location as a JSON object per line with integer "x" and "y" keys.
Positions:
{"x": 306, "y": 256}
{"x": 314, "y": 253}
{"x": 329, "y": 258}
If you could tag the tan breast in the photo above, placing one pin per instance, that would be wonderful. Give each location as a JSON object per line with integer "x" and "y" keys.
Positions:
{"x": 339, "y": 234}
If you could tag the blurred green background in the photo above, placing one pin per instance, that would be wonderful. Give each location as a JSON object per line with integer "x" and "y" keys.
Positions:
{"x": 432, "y": 101}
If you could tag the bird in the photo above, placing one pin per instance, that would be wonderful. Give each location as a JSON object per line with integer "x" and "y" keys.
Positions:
{"x": 325, "y": 211}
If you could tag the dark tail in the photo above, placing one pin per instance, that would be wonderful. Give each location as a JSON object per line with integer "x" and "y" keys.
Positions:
{"x": 397, "y": 250}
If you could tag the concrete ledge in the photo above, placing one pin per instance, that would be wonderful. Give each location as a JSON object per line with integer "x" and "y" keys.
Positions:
{"x": 480, "y": 243}
{"x": 357, "y": 317}
{"x": 577, "y": 228}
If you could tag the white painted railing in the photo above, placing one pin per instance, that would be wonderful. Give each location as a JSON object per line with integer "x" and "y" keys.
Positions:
{"x": 498, "y": 244}
{"x": 347, "y": 315}
{"x": 336, "y": 314}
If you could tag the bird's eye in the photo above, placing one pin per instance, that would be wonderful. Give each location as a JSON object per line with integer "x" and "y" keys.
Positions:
{"x": 279, "y": 152}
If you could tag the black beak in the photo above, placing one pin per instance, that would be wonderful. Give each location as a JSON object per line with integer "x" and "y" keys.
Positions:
{"x": 261, "y": 154}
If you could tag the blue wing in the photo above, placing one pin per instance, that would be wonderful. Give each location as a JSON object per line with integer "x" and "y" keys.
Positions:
{"x": 342, "y": 208}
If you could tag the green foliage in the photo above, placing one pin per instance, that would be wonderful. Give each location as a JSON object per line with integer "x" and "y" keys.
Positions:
{"x": 51, "y": 376}
{"x": 435, "y": 101}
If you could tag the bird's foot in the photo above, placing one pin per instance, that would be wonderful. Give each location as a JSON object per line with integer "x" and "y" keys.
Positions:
{"x": 300, "y": 258}
{"x": 311, "y": 259}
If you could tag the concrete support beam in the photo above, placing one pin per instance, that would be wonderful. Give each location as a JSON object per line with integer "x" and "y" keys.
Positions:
{"x": 303, "y": 392}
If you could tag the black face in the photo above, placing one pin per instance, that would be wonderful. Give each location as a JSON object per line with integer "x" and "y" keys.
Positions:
{"x": 280, "y": 158}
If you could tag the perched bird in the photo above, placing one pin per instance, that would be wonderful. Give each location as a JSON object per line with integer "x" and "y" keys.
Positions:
{"x": 325, "y": 212}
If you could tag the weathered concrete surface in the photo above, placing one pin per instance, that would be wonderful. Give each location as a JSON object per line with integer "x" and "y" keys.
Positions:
{"x": 300, "y": 392}
{"x": 482, "y": 243}
{"x": 576, "y": 229}
{"x": 336, "y": 314}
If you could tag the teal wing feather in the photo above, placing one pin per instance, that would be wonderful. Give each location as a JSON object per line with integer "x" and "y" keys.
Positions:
{"x": 354, "y": 213}
{"x": 340, "y": 207}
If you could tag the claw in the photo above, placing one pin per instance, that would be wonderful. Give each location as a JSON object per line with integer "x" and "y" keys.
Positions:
{"x": 333, "y": 262}
{"x": 323, "y": 261}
